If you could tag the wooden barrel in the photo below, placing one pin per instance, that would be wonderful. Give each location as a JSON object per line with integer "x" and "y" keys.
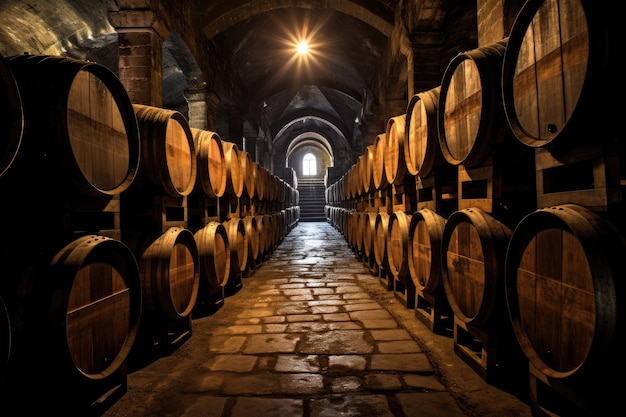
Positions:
{"x": 329, "y": 212}
{"x": 367, "y": 177}
{"x": 564, "y": 276}
{"x": 234, "y": 173}
{"x": 398, "y": 245}
{"x": 79, "y": 316}
{"x": 168, "y": 155}
{"x": 237, "y": 243}
{"x": 249, "y": 170}
{"x": 395, "y": 161}
{"x": 358, "y": 176}
{"x": 381, "y": 228}
{"x": 474, "y": 247}
{"x": 281, "y": 190}
{"x": 268, "y": 232}
{"x": 262, "y": 227}
{"x": 378, "y": 168}
{"x": 424, "y": 250}
{"x": 261, "y": 182}
{"x": 279, "y": 226}
{"x": 283, "y": 219}
{"x": 359, "y": 232}
{"x": 345, "y": 215}
{"x": 252, "y": 234}
{"x": 11, "y": 116}
{"x": 270, "y": 190}
{"x": 80, "y": 130}
{"x": 347, "y": 185}
{"x": 170, "y": 274}
{"x": 557, "y": 73}
{"x": 341, "y": 190}
{"x": 211, "y": 173}
{"x": 470, "y": 116}
{"x": 421, "y": 147}
{"x": 352, "y": 221}
{"x": 214, "y": 253}
{"x": 353, "y": 181}
{"x": 369, "y": 234}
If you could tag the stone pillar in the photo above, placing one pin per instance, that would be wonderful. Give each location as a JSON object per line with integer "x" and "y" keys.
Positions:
{"x": 197, "y": 104}
{"x": 141, "y": 34}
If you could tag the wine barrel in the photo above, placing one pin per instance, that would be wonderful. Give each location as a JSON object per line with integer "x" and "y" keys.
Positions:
{"x": 346, "y": 214}
{"x": 79, "y": 314}
{"x": 237, "y": 243}
{"x": 395, "y": 161}
{"x": 272, "y": 187}
{"x": 378, "y": 167}
{"x": 359, "y": 232}
{"x": 278, "y": 219}
{"x": 564, "y": 276}
{"x": 341, "y": 189}
{"x": 347, "y": 184}
{"x": 351, "y": 225}
{"x": 421, "y": 146}
{"x": 398, "y": 245}
{"x": 80, "y": 130}
{"x": 559, "y": 58}
{"x": 252, "y": 234}
{"x": 282, "y": 219}
{"x": 470, "y": 116}
{"x": 424, "y": 251}
{"x": 381, "y": 228}
{"x": 170, "y": 274}
{"x": 211, "y": 174}
{"x": 260, "y": 182}
{"x": 234, "y": 173}
{"x": 267, "y": 236}
{"x": 249, "y": 170}
{"x": 474, "y": 248}
{"x": 281, "y": 190}
{"x": 367, "y": 176}
{"x": 214, "y": 254}
{"x": 353, "y": 185}
{"x": 369, "y": 233}
{"x": 168, "y": 155}
{"x": 11, "y": 116}
{"x": 358, "y": 176}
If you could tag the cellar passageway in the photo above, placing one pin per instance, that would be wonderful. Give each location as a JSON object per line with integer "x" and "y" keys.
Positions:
{"x": 311, "y": 332}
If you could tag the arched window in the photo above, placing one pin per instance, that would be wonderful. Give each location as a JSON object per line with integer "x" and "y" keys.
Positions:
{"x": 309, "y": 164}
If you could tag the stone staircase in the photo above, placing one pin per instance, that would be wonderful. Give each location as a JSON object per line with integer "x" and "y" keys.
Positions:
{"x": 312, "y": 198}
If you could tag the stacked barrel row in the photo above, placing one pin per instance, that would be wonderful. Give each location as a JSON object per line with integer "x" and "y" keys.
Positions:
{"x": 106, "y": 243}
{"x": 501, "y": 191}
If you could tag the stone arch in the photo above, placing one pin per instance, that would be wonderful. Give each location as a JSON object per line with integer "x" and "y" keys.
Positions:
{"x": 249, "y": 9}
{"x": 335, "y": 143}
{"x": 313, "y": 144}
{"x": 180, "y": 73}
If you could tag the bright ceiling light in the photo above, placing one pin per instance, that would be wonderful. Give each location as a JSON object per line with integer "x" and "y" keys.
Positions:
{"x": 303, "y": 48}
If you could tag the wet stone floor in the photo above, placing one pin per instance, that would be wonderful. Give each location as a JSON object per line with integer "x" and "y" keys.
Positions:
{"x": 311, "y": 332}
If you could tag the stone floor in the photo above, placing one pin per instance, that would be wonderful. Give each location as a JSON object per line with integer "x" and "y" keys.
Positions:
{"x": 313, "y": 333}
